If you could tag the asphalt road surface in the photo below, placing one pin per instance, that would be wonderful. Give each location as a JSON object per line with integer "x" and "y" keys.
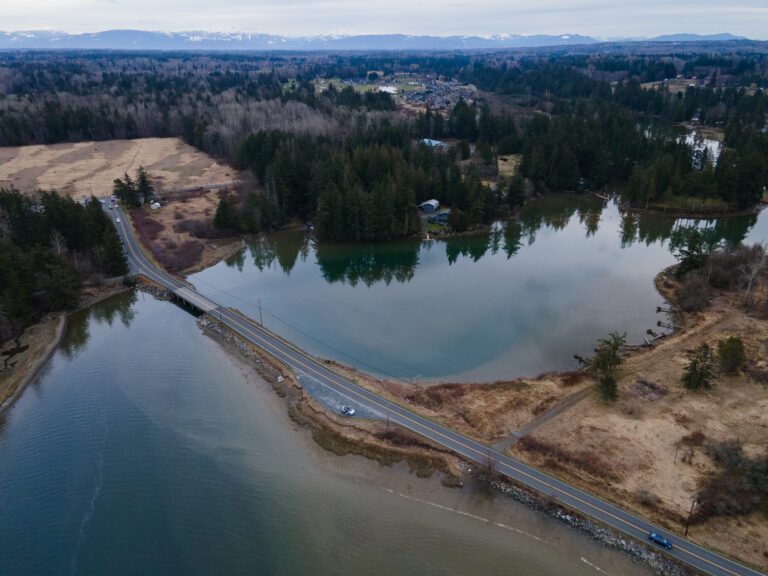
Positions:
{"x": 633, "y": 526}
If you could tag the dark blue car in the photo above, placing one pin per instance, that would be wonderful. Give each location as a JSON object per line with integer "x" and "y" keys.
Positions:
{"x": 660, "y": 540}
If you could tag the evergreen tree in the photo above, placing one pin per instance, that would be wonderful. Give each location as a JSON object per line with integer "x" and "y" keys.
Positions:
{"x": 699, "y": 372}
{"x": 604, "y": 364}
{"x": 226, "y": 217}
{"x": 691, "y": 255}
{"x": 144, "y": 187}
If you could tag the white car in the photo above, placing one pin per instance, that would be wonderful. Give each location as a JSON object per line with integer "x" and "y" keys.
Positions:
{"x": 117, "y": 220}
{"x": 347, "y": 411}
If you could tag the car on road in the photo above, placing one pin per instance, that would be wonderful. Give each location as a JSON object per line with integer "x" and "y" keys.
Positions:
{"x": 347, "y": 411}
{"x": 660, "y": 540}
{"x": 117, "y": 220}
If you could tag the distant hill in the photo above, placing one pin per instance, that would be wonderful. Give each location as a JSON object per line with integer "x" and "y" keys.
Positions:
{"x": 142, "y": 40}
{"x": 146, "y": 40}
{"x": 696, "y": 38}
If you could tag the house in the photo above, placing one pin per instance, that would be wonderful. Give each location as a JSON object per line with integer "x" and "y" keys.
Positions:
{"x": 430, "y": 206}
{"x": 441, "y": 218}
{"x": 434, "y": 143}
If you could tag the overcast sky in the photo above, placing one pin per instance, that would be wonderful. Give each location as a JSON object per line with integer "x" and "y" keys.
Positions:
{"x": 601, "y": 18}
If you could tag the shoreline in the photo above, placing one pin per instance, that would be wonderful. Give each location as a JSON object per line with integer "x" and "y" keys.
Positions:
{"x": 679, "y": 214}
{"x": 335, "y": 434}
{"x": 40, "y": 357}
{"x": 684, "y": 324}
{"x": 36, "y": 363}
{"x": 342, "y": 437}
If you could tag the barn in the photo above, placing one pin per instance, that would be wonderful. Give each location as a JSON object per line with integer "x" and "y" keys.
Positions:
{"x": 430, "y": 206}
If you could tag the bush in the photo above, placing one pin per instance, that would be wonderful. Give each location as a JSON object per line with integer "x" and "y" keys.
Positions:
{"x": 727, "y": 267}
{"x": 608, "y": 388}
{"x": 648, "y": 499}
{"x": 739, "y": 487}
{"x": 582, "y": 459}
{"x": 694, "y": 294}
{"x": 731, "y": 354}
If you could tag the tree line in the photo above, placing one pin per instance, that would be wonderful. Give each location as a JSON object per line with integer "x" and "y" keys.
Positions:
{"x": 48, "y": 245}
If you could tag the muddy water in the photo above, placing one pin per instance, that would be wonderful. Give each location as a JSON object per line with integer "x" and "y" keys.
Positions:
{"x": 144, "y": 448}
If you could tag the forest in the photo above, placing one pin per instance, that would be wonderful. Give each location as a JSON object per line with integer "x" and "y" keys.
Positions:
{"x": 48, "y": 247}
{"x": 349, "y": 161}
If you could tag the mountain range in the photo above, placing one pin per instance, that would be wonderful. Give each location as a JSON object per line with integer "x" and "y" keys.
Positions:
{"x": 148, "y": 40}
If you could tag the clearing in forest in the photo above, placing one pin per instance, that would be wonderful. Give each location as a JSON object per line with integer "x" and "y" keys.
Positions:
{"x": 83, "y": 168}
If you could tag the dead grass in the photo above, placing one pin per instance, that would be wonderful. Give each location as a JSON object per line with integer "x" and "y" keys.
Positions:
{"x": 508, "y": 165}
{"x": 487, "y": 412}
{"x": 656, "y": 434}
{"x": 584, "y": 460}
{"x": 91, "y": 167}
{"x": 182, "y": 175}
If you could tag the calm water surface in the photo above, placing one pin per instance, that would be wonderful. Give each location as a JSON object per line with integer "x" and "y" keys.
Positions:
{"x": 144, "y": 449}
{"x": 520, "y": 300}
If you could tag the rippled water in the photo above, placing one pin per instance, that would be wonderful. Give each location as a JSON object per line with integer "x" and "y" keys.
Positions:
{"x": 521, "y": 300}
{"x": 144, "y": 449}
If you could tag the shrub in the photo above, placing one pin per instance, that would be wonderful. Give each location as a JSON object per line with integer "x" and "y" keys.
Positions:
{"x": 572, "y": 378}
{"x": 694, "y": 294}
{"x": 648, "y": 499}
{"x": 608, "y": 388}
{"x": 730, "y": 268}
{"x": 731, "y": 354}
{"x": 739, "y": 487}
{"x": 583, "y": 459}
{"x": 695, "y": 438}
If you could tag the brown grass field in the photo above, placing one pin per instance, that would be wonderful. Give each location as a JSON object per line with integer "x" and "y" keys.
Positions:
{"x": 91, "y": 167}
{"x": 178, "y": 171}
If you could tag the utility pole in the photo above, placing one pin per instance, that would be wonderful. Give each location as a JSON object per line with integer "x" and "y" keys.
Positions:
{"x": 688, "y": 520}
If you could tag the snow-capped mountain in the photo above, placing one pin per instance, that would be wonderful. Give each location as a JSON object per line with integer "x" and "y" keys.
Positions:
{"x": 198, "y": 40}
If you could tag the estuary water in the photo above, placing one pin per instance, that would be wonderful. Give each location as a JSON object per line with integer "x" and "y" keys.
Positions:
{"x": 145, "y": 449}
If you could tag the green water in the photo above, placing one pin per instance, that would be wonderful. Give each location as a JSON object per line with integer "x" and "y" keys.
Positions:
{"x": 520, "y": 300}
{"x": 145, "y": 449}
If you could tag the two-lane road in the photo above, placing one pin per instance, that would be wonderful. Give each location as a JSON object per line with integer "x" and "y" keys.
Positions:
{"x": 685, "y": 551}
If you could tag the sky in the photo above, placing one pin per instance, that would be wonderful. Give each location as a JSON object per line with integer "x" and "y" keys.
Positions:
{"x": 598, "y": 18}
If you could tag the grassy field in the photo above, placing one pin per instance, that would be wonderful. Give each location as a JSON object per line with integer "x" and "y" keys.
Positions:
{"x": 322, "y": 84}
{"x": 84, "y": 168}
{"x": 508, "y": 165}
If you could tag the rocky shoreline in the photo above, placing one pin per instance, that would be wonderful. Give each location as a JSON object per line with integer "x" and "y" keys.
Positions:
{"x": 610, "y": 538}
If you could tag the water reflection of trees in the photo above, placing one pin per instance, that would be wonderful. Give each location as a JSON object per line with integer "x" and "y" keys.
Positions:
{"x": 397, "y": 261}
{"x": 368, "y": 263}
{"x": 107, "y": 311}
{"x": 265, "y": 250}
{"x": 653, "y": 228}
